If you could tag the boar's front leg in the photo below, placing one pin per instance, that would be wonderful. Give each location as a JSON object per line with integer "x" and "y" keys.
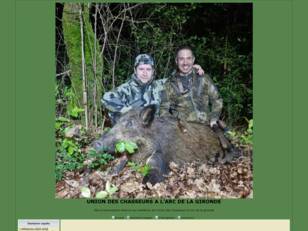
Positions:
{"x": 158, "y": 168}
{"x": 119, "y": 166}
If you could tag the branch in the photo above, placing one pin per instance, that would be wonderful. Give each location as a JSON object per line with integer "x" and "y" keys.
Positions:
{"x": 63, "y": 73}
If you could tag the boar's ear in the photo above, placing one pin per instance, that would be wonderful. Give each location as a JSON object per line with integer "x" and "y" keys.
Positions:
{"x": 147, "y": 115}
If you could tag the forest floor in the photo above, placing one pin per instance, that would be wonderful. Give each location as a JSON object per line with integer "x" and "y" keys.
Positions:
{"x": 193, "y": 180}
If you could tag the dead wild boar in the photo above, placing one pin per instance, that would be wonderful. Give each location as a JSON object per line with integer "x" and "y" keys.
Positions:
{"x": 161, "y": 140}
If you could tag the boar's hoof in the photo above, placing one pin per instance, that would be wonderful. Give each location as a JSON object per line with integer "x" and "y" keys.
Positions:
{"x": 154, "y": 176}
{"x": 230, "y": 155}
{"x": 236, "y": 153}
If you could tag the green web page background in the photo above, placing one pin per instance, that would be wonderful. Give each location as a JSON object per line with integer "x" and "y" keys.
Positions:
{"x": 31, "y": 121}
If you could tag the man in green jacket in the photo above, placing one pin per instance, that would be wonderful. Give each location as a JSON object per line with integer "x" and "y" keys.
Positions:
{"x": 190, "y": 96}
{"x": 193, "y": 97}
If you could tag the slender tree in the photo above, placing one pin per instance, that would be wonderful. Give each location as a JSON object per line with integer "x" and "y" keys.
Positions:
{"x": 83, "y": 66}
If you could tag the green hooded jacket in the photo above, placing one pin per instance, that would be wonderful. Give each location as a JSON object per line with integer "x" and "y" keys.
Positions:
{"x": 193, "y": 98}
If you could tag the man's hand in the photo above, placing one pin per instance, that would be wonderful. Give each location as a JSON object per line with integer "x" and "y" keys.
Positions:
{"x": 199, "y": 69}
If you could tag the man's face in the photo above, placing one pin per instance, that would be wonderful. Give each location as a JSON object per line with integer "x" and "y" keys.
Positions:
{"x": 144, "y": 72}
{"x": 185, "y": 61}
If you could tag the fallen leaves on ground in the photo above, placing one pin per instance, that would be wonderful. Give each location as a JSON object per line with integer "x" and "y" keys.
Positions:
{"x": 193, "y": 180}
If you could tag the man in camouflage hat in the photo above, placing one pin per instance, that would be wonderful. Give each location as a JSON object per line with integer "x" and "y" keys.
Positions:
{"x": 140, "y": 91}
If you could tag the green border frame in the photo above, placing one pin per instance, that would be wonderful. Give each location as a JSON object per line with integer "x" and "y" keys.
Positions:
{"x": 278, "y": 101}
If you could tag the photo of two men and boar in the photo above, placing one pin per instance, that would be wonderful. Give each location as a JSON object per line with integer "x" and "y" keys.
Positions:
{"x": 154, "y": 100}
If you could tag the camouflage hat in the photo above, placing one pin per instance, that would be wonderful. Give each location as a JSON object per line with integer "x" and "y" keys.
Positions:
{"x": 144, "y": 59}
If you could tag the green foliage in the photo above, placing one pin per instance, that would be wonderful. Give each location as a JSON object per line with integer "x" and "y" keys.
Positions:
{"x": 246, "y": 138}
{"x": 85, "y": 192}
{"x": 98, "y": 158}
{"x": 60, "y": 121}
{"x": 142, "y": 169}
{"x": 75, "y": 111}
{"x": 72, "y": 109}
{"x": 235, "y": 83}
{"x": 101, "y": 194}
{"x": 66, "y": 162}
{"x": 69, "y": 103}
{"x": 69, "y": 147}
{"x": 69, "y": 156}
{"x": 243, "y": 138}
{"x": 126, "y": 146}
{"x": 110, "y": 189}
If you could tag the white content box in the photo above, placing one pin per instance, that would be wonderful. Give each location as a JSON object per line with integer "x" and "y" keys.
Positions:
{"x": 38, "y": 225}
{"x": 177, "y": 224}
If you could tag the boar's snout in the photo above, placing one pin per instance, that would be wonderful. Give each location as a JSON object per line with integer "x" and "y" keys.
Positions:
{"x": 101, "y": 146}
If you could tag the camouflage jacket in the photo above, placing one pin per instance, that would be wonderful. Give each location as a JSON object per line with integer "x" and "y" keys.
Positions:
{"x": 195, "y": 100}
{"x": 133, "y": 94}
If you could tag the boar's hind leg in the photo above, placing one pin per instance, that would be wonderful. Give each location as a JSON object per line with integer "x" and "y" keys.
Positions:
{"x": 158, "y": 168}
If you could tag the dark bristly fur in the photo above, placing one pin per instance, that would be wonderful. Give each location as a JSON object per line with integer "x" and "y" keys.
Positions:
{"x": 161, "y": 140}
